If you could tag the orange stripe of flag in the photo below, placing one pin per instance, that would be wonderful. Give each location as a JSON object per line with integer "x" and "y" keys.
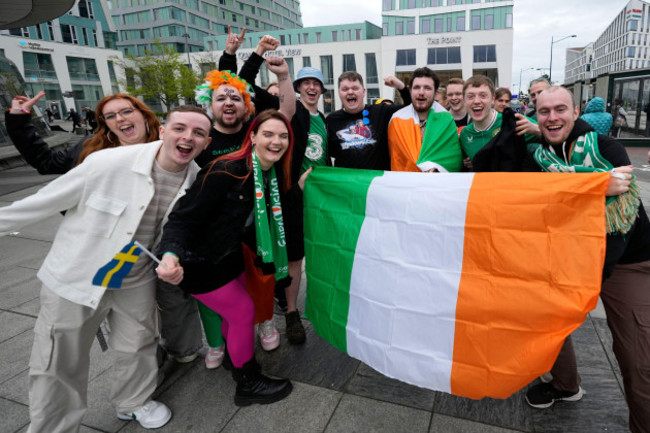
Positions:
{"x": 532, "y": 265}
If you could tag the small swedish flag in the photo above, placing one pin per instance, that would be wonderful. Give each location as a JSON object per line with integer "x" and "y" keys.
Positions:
{"x": 112, "y": 273}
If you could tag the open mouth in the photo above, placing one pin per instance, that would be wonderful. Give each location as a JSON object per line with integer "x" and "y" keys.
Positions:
{"x": 127, "y": 130}
{"x": 554, "y": 128}
{"x": 184, "y": 149}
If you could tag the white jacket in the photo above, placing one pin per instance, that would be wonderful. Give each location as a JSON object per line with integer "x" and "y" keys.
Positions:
{"x": 105, "y": 198}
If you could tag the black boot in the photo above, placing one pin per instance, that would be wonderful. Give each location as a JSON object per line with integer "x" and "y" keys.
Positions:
{"x": 254, "y": 387}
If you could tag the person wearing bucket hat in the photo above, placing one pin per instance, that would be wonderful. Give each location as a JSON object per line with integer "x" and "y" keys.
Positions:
{"x": 309, "y": 150}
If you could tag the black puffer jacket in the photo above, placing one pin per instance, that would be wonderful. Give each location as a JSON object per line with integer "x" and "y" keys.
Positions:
{"x": 36, "y": 151}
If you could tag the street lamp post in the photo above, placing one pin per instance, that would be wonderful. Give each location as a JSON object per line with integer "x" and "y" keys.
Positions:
{"x": 187, "y": 50}
{"x": 550, "y": 66}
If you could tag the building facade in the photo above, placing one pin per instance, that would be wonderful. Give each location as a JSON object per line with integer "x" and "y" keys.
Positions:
{"x": 616, "y": 65}
{"x": 183, "y": 24}
{"x": 455, "y": 38}
{"x": 69, "y": 58}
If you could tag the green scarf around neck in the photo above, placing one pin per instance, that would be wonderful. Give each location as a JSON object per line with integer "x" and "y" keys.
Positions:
{"x": 584, "y": 157}
{"x": 271, "y": 244}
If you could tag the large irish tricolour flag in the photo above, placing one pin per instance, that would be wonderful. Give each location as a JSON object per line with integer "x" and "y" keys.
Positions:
{"x": 462, "y": 283}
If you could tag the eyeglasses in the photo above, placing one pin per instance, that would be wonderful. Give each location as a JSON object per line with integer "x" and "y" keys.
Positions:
{"x": 127, "y": 112}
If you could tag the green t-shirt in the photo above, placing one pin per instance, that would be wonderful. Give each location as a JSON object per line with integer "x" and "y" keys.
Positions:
{"x": 471, "y": 140}
{"x": 315, "y": 154}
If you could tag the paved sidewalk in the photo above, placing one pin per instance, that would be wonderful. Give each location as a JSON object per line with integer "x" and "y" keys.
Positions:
{"x": 332, "y": 392}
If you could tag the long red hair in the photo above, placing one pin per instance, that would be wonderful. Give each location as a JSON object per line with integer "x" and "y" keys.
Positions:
{"x": 104, "y": 138}
{"x": 246, "y": 150}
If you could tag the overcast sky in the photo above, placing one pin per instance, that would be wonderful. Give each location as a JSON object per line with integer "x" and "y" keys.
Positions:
{"x": 535, "y": 22}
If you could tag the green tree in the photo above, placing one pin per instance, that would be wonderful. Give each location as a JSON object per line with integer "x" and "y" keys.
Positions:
{"x": 161, "y": 75}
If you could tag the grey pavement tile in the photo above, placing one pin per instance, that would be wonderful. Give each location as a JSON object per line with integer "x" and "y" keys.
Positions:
{"x": 12, "y": 324}
{"x": 18, "y": 286}
{"x": 307, "y": 410}
{"x": 14, "y": 416}
{"x": 316, "y": 362}
{"x": 606, "y": 340}
{"x": 21, "y": 252}
{"x": 603, "y": 408}
{"x": 17, "y": 388}
{"x": 201, "y": 401}
{"x": 14, "y": 355}
{"x": 447, "y": 424}
{"x": 369, "y": 383}
{"x": 588, "y": 347}
{"x": 512, "y": 413}
{"x": 363, "y": 415}
{"x": 30, "y": 308}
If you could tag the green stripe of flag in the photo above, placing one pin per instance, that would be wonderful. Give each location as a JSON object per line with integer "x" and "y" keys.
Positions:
{"x": 334, "y": 210}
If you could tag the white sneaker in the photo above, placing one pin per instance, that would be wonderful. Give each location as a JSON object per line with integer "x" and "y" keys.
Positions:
{"x": 269, "y": 336}
{"x": 186, "y": 359}
{"x": 152, "y": 415}
{"x": 214, "y": 357}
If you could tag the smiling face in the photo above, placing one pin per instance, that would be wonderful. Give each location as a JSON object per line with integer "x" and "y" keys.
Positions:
{"x": 185, "y": 135}
{"x": 556, "y": 114}
{"x": 270, "y": 142}
{"x": 423, "y": 93}
{"x": 125, "y": 121}
{"x": 478, "y": 103}
{"x": 310, "y": 90}
{"x": 455, "y": 98}
{"x": 501, "y": 103}
{"x": 352, "y": 94}
{"x": 228, "y": 108}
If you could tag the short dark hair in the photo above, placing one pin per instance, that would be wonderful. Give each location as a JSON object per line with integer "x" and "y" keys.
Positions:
{"x": 539, "y": 80}
{"x": 188, "y": 109}
{"x": 428, "y": 73}
{"x": 351, "y": 76}
{"x": 502, "y": 91}
{"x": 478, "y": 81}
{"x": 455, "y": 80}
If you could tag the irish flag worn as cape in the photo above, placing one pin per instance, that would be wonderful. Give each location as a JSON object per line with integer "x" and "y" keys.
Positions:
{"x": 462, "y": 283}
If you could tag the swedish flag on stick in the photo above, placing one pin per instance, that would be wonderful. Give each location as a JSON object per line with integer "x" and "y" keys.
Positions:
{"x": 111, "y": 274}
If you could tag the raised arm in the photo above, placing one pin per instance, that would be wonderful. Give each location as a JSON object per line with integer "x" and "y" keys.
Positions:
{"x": 31, "y": 146}
{"x": 280, "y": 68}
{"x": 228, "y": 60}
{"x": 396, "y": 83}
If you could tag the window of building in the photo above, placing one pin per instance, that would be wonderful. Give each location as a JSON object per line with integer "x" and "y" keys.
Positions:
{"x": 509, "y": 20}
{"x": 489, "y": 22}
{"x": 387, "y": 5}
{"x": 425, "y": 26}
{"x": 327, "y": 69}
{"x": 65, "y": 33}
{"x": 443, "y": 56}
{"x": 372, "y": 95}
{"x": 357, "y": 33}
{"x": 460, "y": 24}
{"x": 335, "y": 36}
{"x": 318, "y": 37}
{"x": 632, "y": 25}
{"x": 448, "y": 29}
{"x": 405, "y": 58}
{"x": 399, "y": 28}
{"x": 410, "y": 27}
{"x": 411, "y": 4}
{"x": 306, "y": 61}
{"x": 371, "y": 69}
{"x": 437, "y": 25}
{"x": 384, "y": 29}
{"x": 50, "y": 30}
{"x": 485, "y": 53}
{"x": 476, "y": 22}
{"x": 349, "y": 64}
{"x": 38, "y": 65}
{"x": 630, "y": 51}
{"x": 82, "y": 69}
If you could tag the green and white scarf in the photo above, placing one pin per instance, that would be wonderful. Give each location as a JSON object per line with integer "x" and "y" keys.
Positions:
{"x": 271, "y": 245}
{"x": 584, "y": 157}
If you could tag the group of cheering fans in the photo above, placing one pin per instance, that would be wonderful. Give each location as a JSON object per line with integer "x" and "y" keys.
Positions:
{"x": 217, "y": 196}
